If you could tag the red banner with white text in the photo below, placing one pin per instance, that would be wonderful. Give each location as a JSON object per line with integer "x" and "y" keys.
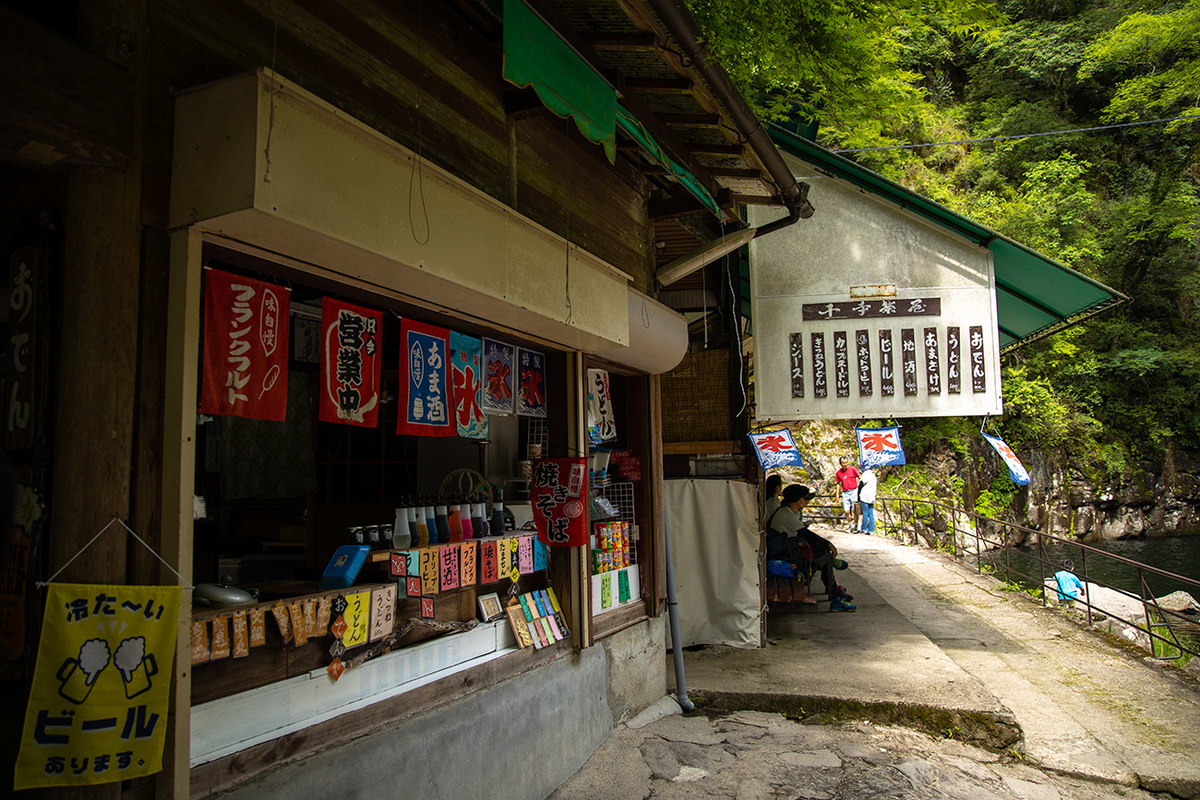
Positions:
{"x": 350, "y": 363}
{"x": 244, "y": 371}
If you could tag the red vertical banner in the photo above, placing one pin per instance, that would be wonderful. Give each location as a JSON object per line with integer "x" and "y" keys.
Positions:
{"x": 425, "y": 404}
{"x": 559, "y": 496}
{"x": 245, "y": 347}
{"x": 350, "y": 363}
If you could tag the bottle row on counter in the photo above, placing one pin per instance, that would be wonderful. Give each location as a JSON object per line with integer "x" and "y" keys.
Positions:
{"x": 423, "y": 524}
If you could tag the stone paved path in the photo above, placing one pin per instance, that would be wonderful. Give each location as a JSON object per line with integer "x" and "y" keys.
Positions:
{"x": 753, "y": 755}
{"x": 934, "y": 647}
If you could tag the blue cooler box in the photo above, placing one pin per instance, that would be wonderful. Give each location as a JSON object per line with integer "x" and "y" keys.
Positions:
{"x": 344, "y": 566}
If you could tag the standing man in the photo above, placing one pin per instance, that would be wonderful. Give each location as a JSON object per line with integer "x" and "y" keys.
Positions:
{"x": 867, "y": 487}
{"x": 847, "y": 480}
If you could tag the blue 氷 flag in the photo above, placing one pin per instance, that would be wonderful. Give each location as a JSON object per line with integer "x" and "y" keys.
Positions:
{"x": 879, "y": 447}
{"x": 776, "y": 449}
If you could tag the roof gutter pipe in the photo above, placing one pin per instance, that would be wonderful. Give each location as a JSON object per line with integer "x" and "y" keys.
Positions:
{"x": 681, "y": 25}
{"x": 681, "y": 695}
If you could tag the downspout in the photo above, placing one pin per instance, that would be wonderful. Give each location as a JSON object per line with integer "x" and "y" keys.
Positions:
{"x": 682, "y": 27}
{"x": 673, "y": 614}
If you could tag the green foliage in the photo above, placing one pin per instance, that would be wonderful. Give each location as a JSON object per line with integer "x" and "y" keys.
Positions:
{"x": 996, "y": 500}
{"x": 841, "y": 61}
{"x": 1121, "y": 206}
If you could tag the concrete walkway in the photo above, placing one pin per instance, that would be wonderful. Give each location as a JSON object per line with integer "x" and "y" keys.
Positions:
{"x": 940, "y": 670}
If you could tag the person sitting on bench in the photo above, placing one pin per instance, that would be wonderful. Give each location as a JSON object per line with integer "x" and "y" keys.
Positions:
{"x": 790, "y": 540}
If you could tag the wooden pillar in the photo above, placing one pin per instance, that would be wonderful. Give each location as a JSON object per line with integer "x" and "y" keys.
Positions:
{"x": 96, "y": 358}
{"x": 178, "y": 481}
{"x": 96, "y": 355}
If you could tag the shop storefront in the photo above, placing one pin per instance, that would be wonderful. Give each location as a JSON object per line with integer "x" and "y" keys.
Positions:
{"x": 419, "y": 397}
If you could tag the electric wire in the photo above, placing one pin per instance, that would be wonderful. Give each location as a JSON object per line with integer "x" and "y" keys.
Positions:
{"x": 1021, "y": 135}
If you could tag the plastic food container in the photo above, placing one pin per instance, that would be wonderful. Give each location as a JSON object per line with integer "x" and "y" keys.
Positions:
{"x": 344, "y": 566}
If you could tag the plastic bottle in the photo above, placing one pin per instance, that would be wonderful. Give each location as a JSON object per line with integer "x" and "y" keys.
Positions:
{"x": 478, "y": 520}
{"x": 401, "y": 535}
{"x": 431, "y": 523}
{"x": 464, "y": 517}
{"x": 412, "y": 525}
{"x": 422, "y": 527}
{"x": 442, "y": 517}
{"x": 454, "y": 522}
{"x": 497, "y": 526}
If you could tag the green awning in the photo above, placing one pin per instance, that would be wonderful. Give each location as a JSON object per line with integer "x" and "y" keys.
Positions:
{"x": 535, "y": 55}
{"x": 637, "y": 131}
{"x": 1035, "y": 295}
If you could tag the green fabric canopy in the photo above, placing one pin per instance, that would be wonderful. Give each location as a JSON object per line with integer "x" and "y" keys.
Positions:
{"x": 535, "y": 55}
{"x": 1035, "y": 295}
{"x": 636, "y": 131}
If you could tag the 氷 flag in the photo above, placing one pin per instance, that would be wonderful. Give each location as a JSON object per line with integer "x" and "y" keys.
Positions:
{"x": 1016, "y": 470}
{"x": 425, "y": 405}
{"x": 350, "y": 363}
{"x": 879, "y": 447}
{"x": 244, "y": 372}
{"x": 499, "y": 377}
{"x": 776, "y": 449}
{"x": 531, "y": 383}
{"x": 468, "y": 386}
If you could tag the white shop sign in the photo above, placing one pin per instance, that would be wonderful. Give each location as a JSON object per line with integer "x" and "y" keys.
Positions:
{"x": 865, "y": 311}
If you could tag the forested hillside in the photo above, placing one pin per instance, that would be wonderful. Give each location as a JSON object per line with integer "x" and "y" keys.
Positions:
{"x": 1118, "y": 203}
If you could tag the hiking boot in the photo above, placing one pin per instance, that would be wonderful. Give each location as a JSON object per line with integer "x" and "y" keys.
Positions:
{"x": 840, "y": 604}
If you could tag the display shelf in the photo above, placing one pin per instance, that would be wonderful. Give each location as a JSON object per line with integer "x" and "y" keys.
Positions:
{"x": 621, "y": 495}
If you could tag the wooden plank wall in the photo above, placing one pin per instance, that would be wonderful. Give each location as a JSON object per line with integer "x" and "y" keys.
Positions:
{"x": 421, "y": 75}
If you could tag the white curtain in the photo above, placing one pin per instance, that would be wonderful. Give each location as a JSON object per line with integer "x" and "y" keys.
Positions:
{"x": 714, "y": 540}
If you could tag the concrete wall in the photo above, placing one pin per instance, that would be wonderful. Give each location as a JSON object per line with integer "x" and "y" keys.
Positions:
{"x": 637, "y": 667}
{"x": 520, "y": 738}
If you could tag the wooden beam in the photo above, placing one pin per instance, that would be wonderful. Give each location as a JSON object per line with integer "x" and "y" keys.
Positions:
{"x": 716, "y": 149}
{"x": 734, "y": 172}
{"x": 661, "y": 85}
{"x": 60, "y": 103}
{"x": 758, "y": 200}
{"x": 669, "y": 142}
{"x": 683, "y": 206}
{"x": 698, "y": 448}
{"x": 521, "y": 103}
{"x": 691, "y": 120}
{"x": 621, "y": 41}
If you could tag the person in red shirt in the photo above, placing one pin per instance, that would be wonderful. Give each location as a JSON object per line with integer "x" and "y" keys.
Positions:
{"x": 847, "y": 480}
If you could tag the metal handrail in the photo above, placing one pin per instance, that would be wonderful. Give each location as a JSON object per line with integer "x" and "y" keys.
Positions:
{"x": 891, "y": 522}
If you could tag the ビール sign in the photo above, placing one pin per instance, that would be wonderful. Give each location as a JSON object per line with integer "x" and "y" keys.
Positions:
{"x": 98, "y": 706}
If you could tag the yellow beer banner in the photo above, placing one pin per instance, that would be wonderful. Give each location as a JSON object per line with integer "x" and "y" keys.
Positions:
{"x": 98, "y": 707}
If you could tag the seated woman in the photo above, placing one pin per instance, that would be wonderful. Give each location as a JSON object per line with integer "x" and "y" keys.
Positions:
{"x": 790, "y": 540}
{"x": 772, "y": 489}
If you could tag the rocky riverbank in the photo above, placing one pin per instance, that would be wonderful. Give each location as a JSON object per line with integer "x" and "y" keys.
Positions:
{"x": 1064, "y": 498}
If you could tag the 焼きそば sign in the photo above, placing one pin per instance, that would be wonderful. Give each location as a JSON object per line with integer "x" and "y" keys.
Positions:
{"x": 245, "y": 347}
{"x": 558, "y": 493}
{"x": 98, "y": 706}
{"x": 350, "y": 363}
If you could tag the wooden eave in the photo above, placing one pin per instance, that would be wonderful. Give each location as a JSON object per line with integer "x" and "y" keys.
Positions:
{"x": 627, "y": 44}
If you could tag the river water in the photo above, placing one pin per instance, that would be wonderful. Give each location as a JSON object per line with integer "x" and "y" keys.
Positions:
{"x": 1179, "y": 554}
